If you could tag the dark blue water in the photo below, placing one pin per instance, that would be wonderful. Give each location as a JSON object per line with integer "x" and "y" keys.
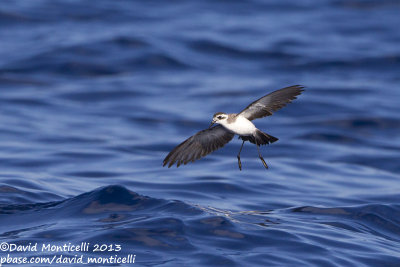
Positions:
{"x": 94, "y": 94}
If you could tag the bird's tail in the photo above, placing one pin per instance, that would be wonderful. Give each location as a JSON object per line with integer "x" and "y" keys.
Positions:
{"x": 260, "y": 138}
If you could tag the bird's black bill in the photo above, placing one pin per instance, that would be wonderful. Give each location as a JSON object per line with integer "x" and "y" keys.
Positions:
{"x": 212, "y": 123}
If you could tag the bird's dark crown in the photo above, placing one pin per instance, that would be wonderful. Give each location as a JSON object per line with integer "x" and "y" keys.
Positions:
{"x": 219, "y": 113}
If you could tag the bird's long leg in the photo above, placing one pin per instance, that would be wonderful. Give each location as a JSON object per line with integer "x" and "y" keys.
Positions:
{"x": 238, "y": 156}
{"x": 262, "y": 159}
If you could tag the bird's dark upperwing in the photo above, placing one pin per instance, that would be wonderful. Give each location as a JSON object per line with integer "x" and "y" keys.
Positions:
{"x": 199, "y": 145}
{"x": 266, "y": 105}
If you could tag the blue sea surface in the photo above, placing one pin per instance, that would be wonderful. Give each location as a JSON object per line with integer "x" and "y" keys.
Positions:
{"x": 94, "y": 94}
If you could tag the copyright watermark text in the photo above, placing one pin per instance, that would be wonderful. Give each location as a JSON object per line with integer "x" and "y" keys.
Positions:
{"x": 10, "y": 253}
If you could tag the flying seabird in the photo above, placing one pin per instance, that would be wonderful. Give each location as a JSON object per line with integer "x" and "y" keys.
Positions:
{"x": 213, "y": 138}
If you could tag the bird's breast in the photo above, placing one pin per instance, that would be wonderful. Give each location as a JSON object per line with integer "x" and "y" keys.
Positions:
{"x": 241, "y": 126}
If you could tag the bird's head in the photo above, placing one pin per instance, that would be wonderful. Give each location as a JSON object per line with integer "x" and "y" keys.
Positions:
{"x": 219, "y": 118}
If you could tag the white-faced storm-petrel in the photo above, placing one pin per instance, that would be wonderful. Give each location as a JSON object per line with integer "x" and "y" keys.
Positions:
{"x": 213, "y": 138}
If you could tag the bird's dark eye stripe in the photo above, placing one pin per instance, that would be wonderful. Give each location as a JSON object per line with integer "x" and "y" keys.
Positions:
{"x": 219, "y": 117}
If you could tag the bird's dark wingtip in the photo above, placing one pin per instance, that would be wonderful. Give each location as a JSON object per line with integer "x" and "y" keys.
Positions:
{"x": 165, "y": 161}
{"x": 301, "y": 87}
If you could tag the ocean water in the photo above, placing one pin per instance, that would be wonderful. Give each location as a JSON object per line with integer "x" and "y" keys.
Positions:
{"x": 94, "y": 94}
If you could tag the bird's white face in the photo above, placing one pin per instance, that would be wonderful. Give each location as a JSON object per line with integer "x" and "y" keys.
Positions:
{"x": 219, "y": 118}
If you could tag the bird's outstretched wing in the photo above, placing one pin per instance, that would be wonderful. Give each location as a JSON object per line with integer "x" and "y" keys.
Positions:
{"x": 199, "y": 145}
{"x": 266, "y": 105}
